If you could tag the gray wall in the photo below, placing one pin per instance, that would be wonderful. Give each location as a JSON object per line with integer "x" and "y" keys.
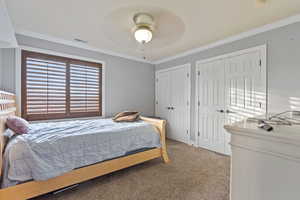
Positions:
{"x": 1, "y": 69}
{"x": 129, "y": 85}
{"x": 7, "y": 69}
{"x": 283, "y": 62}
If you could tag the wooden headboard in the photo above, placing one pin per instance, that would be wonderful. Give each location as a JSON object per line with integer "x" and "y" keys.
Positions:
{"x": 7, "y": 108}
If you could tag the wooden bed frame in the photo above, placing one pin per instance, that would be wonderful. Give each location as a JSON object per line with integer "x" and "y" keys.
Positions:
{"x": 35, "y": 188}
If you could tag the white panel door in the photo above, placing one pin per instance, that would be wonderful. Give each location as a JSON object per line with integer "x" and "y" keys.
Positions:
{"x": 245, "y": 88}
{"x": 211, "y": 103}
{"x": 172, "y": 101}
{"x": 230, "y": 88}
{"x": 163, "y": 95}
{"x": 178, "y": 122}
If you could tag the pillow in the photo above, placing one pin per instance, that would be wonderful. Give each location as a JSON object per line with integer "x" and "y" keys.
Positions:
{"x": 127, "y": 116}
{"x": 17, "y": 124}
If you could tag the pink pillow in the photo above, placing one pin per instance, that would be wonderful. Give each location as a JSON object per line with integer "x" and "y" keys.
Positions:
{"x": 17, "y": 124}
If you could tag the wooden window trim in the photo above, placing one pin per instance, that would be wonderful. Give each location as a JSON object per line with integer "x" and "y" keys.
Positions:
{"x": 68, "y": 62}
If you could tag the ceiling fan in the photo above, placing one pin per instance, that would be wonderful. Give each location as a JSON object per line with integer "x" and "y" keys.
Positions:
{"x": 142, "y": 29}
{"x": 144, "y": 26}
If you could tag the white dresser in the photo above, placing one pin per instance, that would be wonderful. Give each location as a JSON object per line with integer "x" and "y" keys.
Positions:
{"x": 265, "y": 165}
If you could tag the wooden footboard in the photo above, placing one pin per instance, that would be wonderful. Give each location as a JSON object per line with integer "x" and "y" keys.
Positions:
{"x": 161, "y": 127}
{"x": 35, "y": 188}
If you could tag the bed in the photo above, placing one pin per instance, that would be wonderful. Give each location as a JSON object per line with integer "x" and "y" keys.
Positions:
{"x": 134, "y": 151}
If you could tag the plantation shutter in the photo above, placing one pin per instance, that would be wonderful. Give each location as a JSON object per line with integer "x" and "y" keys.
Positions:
{"x": 56, "y": 87}
{"x": 84, "y": 88}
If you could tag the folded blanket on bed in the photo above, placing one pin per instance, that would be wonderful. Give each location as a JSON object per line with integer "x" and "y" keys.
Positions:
{"x": 127, "y": 116}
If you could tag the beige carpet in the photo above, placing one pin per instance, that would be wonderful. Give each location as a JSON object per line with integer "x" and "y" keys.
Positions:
{"x": 193, "y": 174}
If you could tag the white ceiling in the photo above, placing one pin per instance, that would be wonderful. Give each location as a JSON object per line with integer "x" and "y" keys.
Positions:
{"x": 181, "y": 25}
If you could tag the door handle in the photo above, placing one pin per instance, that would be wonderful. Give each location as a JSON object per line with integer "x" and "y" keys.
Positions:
{"x": 220, "y": 111}
{"x": 229, "y": 111}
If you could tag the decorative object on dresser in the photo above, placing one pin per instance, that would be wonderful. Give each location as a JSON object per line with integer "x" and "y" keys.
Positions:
{"x": 33, "y": 188}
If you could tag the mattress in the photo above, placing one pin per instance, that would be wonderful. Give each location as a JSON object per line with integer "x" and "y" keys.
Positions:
{"x": 54, "y": 148}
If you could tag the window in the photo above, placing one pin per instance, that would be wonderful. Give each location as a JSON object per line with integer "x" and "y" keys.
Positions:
{"x": 56, "y": 87}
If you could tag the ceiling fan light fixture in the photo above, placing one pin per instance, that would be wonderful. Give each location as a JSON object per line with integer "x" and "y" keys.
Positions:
{"x": 143, "y": 35}
{"x": 143, "y": 30}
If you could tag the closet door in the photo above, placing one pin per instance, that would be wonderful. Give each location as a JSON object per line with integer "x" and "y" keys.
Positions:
{"x": 230, "y": 88}
{"x": 245, "y": 88}
{"x": 173, "y": 101}
{"x": 211, "y": 103}
{"x": 163, "y": 95}
{"x": 179, "y": 115}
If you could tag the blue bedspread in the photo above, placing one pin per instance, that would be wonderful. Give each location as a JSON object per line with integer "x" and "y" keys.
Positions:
{"x": 51, "y": 149}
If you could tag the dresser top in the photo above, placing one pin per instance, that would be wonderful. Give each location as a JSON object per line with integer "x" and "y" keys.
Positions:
{"x": 281, "y": 133}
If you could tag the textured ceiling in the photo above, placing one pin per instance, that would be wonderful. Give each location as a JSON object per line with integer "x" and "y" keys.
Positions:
{"x": 180, "y": 25}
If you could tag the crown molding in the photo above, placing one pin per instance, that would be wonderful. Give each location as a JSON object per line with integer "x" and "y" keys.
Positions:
{"x": 265, "y": 28}
{"x": 76, "y": 44}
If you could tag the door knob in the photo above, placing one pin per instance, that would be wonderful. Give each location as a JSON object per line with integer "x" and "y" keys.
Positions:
{"x": 220, "y": 111}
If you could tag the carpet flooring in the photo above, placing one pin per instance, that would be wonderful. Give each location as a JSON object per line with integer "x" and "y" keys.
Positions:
{"x": 193, "y": 174}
